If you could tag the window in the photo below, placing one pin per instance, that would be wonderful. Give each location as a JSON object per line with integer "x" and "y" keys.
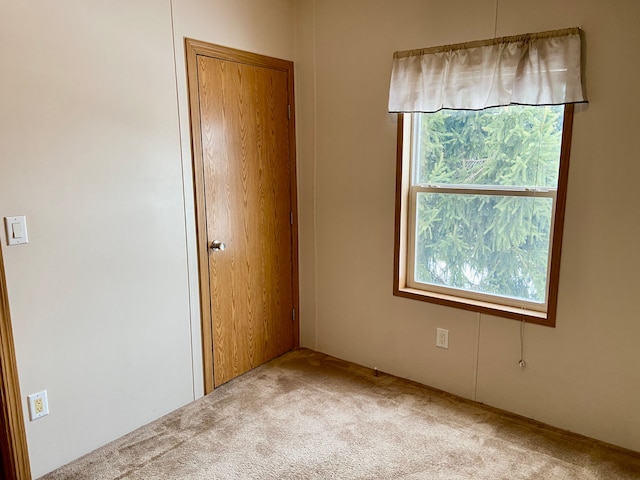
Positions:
{"x": 482, "y": 208}
{"x": 484, "y": 134}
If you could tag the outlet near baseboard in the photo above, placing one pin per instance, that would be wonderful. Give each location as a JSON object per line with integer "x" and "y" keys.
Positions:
{"x": 38, "y": 405}
{"x": 442, "y": 338}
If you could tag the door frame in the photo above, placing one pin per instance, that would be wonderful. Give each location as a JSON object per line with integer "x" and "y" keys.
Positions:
{"x": 193, "y": 48}
{"x": 13, "y": 440}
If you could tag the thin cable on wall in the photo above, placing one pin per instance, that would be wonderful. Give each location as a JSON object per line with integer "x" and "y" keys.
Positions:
{"x": 538, "y": 182}
{"x": 521, "y": 362}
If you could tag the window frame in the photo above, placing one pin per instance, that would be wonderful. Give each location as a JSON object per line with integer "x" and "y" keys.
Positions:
{"x": 404, "y": 286}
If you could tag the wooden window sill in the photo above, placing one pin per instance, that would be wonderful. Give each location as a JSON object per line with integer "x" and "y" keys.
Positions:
{"x": 483, "y": 307}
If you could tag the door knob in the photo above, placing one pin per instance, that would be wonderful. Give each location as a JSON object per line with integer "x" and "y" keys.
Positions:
{"x": 217, "y": 246}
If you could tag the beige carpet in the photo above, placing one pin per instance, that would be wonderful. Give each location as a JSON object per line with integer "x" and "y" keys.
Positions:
{"x": 307, "y": 416}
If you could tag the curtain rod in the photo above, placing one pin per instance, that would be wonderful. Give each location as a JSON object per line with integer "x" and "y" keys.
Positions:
{"x": 527, "y": 37}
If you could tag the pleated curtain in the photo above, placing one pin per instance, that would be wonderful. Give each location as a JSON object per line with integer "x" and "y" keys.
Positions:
{"x": 532, "y": 69}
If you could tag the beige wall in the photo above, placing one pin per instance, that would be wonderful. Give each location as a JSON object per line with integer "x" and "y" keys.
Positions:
{"x": 94, "y": 144}
{"x": 583, "y": 375}
{"x": 94, "y": 149}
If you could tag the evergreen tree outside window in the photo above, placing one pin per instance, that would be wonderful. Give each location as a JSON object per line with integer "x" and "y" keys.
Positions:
{"x": 483, "y": 194}
{"x": 484, "y": 135}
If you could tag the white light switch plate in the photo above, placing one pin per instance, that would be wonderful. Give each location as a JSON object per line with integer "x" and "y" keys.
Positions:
{"x": 16, "y": 229}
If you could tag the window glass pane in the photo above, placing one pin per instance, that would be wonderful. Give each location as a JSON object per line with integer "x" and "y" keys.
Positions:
{"x": 490, "y": 244}
{"x": 506, "y": 146}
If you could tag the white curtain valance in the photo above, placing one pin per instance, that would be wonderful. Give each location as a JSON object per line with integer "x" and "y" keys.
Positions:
{"x": 532, "y": 69}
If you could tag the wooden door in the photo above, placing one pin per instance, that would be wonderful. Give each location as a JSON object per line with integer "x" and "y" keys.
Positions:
{"x": 248, "y": 192}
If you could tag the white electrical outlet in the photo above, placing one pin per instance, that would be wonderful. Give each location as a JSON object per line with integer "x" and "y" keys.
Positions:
{"x": 38, "y": 405}
{"x": 442, "y": 338}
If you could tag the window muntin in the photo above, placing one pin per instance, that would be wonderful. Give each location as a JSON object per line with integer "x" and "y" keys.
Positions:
{"x": 482, "y": 201}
